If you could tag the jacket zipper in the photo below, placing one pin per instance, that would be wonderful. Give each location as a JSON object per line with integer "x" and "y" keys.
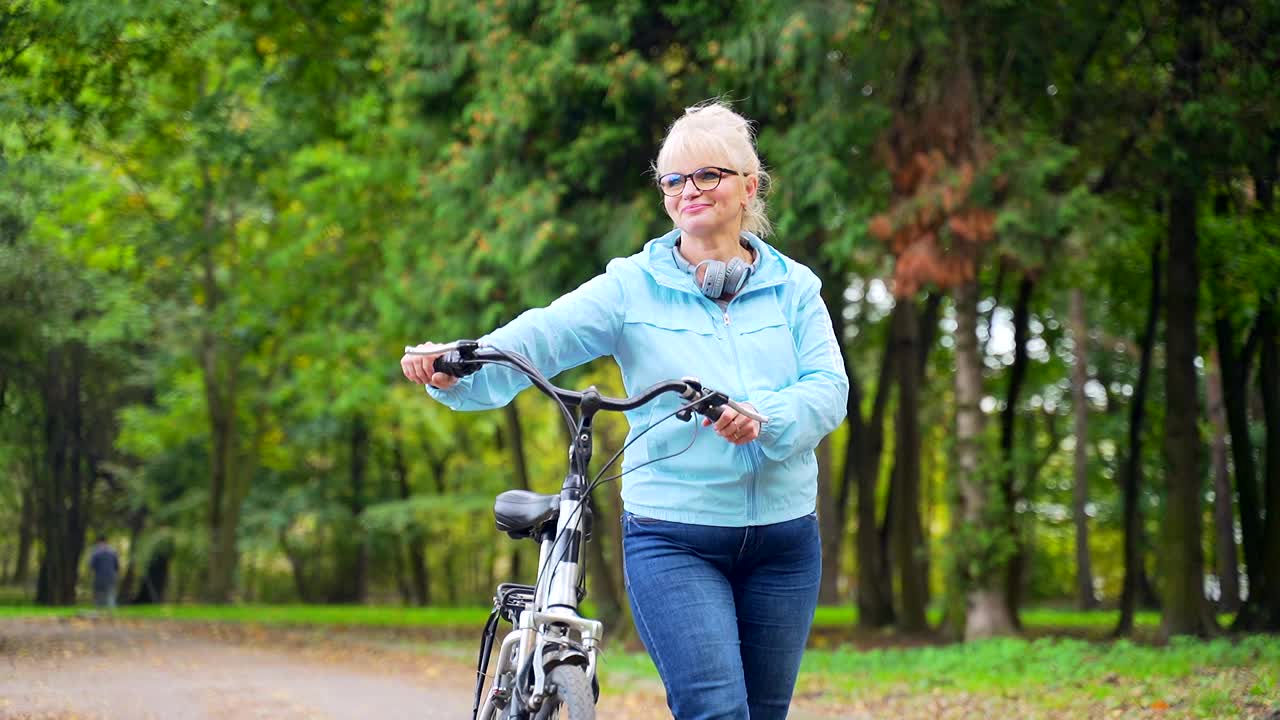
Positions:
{"x": 747, "y": 451}
{"x": 751, "y": 459}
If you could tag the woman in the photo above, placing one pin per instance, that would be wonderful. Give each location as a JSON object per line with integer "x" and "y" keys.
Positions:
{"x": 720, "y": 542}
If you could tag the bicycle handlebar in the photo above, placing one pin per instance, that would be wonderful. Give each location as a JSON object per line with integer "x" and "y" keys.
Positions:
{"x": 465, "y": 357}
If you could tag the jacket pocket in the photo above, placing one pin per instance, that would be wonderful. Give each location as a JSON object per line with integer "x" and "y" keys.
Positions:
{"x": 676, "y": 319}
{"x": 662, "y": 342}
{"x": 764, "y": 336}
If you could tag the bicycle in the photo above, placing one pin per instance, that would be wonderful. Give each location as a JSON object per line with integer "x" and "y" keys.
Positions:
{"x": 547, "y": 662}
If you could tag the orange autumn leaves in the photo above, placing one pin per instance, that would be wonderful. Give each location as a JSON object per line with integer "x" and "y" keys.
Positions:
{"x": 934, "y": 228}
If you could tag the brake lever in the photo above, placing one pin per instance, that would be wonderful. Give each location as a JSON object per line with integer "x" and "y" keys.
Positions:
{"x": 744, "y": 410}
{"x": 696, "y": 388}
{"x": 455, "y": 345}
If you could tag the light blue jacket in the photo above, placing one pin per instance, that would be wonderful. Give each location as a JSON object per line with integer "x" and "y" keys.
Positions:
{"x": 773, "y": 346}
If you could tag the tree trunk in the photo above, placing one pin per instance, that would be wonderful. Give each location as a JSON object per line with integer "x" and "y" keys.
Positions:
{"x": 1235, "y": 378}
{"x": 26, "y": 534}
{"x": 987, "y": 613}
{"x": 833, "y": 487}
{"x": 862, "y": 459}
{"x": 403, "y": 584}
{"x": 1269, "y": 378}
{"x": 137, "y": 521}
{"x": 1227, "y": 560}
{"x": 63, "y": 507}
{"x": 224, "y": 510}
{"x": 351, "y": 569}
{"x": 420, "y": 588}
{"x": 1236, "y": 375}
{"x": 1085, "y": 598}
{"x": 624, "y": 629}
{"x": 1136, "y": 586}
{"x": 829, "y": 529}
{"x": 605, "y": 547}
{"x": 515, "y": 436}
{"x": 297, "y": 568}
{"x": 154, "y": 582}
{"x": 905, "y": 528}
{"x": 451, "y": 580}
{"x": 1185, "y": 611}
{"x": 1182, "y": 569}
{"x": 1011, "y": 494}
{"x": 609, "y": 597}
{"x": 888, "y": 559}
{"x": 220, "y": 370}
{"x": 927, "y": 335}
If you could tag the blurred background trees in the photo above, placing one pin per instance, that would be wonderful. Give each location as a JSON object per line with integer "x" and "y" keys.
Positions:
{"x": 1046, "y": 231}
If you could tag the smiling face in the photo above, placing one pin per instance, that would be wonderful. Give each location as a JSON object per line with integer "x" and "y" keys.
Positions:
{"x": 709, "y": 212}
{"x": 711, "y": 135}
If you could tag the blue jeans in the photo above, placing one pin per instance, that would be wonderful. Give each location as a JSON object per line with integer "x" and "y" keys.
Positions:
{"x": 723, "y": 611}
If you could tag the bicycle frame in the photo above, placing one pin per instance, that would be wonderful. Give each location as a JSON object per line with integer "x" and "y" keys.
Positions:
{"x": 551, "y": 631}
{"x": 547, "y": 629}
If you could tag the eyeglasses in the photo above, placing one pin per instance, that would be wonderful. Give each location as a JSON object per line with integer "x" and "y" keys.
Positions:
{"x": 705, "y": 179}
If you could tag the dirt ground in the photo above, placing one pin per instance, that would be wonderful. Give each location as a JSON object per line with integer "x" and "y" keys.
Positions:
{"x": 89, "y": 668}
{"x": 100, "y": 669}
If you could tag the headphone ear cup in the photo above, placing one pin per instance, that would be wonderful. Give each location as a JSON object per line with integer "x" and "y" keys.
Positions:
{"x": 736, "y": 276}
{"x": 713, "y": 279}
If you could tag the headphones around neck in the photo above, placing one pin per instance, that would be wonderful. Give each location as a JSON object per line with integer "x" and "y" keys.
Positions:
{"x": 721, "y": 278}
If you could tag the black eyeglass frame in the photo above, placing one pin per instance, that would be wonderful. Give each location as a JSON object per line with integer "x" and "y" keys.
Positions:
{"x": 686, "y": 177}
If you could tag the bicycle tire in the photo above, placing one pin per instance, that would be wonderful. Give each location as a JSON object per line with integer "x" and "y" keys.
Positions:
{"x": 573, "y": 696}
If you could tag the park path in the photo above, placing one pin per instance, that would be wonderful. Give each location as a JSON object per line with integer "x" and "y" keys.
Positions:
{"x": 75, "y": 668}
{"x": 99, "y": 669}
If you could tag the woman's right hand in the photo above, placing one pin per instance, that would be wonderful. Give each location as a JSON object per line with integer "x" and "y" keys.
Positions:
{"x": 421, "y": 368}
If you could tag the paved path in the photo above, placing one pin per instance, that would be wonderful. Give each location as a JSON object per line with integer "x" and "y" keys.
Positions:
{"x": 63, "y": 669}
{"x": 101, "y": 669}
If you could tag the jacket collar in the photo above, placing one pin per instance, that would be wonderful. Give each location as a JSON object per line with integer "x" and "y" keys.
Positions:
{"x": 772, "y": 267}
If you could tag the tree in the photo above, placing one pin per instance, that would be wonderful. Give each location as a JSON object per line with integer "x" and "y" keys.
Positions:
{"x": 1085, "y": 598}
{"x": 1185, "y": 611}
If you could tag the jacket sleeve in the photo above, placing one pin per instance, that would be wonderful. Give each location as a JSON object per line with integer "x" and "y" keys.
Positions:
{"x": 577, "y": 328}
{"x": 803, "y": 413}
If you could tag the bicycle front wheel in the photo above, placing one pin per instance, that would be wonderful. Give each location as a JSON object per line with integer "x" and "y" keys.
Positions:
{"x": 573, "y": 699}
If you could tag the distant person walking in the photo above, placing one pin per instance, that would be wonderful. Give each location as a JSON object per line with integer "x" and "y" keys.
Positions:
{"x": 105, "y": 564}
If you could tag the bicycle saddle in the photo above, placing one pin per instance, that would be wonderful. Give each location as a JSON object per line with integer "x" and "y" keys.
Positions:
{"x": 519, "y": 512}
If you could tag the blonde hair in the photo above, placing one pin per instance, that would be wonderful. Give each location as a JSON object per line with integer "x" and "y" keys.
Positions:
{"x": 713, "y": 131}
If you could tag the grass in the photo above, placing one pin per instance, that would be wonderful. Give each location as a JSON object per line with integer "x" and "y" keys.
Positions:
{"x": 827, "y": 617}
{"x": 1045, "y": 677}
{"x": 364, "y": 615}
{"x": 842, "y": 616}
{"x": 1047, "y": 663}
{"x": 1215, "y": 678}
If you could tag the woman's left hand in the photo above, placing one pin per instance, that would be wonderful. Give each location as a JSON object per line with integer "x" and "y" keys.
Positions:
{"x": 736, "y": 427}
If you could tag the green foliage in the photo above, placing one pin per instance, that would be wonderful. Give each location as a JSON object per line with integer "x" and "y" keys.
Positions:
{"x": 259, "y": 204}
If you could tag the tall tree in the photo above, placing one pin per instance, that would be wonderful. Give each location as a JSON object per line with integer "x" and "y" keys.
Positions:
{"x": 1227, "y": 559}
{"x": 1185, "y": 610}
{"x": 1011, "y": 489}
{"x": 1269, "y": 379}
{"x": 907, "y": 537}
{"x": 874, "y": 598}
{"x": 1085, "y": 598}
{"x": 1131, "y": 471}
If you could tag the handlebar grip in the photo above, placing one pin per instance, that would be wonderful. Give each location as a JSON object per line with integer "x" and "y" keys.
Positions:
{"x": 451, "y": 363}
{"x": 714, "y": 412}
